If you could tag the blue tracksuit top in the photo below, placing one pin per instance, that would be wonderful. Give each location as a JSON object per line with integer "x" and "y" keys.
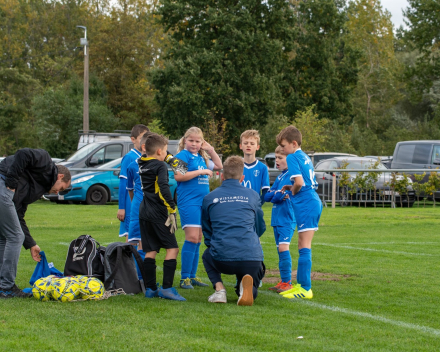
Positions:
{"x": 282, "y": 210}
{"x": 232, "y": 222}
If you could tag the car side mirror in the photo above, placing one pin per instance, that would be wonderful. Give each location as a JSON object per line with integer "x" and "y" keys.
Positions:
{"x": 93, "y": 162}
{"x": 116, "y": 173}
{"x": 436, "y": 162}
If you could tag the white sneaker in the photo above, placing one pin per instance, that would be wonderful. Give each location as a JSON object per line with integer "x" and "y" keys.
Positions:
{"x": 218, "y": 297}
{"x": 246, "y": 291}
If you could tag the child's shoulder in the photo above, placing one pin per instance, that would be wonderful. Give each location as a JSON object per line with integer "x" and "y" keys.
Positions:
{"x": 261, "y": 165}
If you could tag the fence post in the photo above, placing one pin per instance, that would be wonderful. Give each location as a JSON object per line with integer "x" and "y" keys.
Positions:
{"x": 333, "y": 190}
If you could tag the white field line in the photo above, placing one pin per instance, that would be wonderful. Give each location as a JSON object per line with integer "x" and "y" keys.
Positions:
{"x": 373, "y": 250}
{"x": 373, "y": 243}
{"x": 402, "y": 324}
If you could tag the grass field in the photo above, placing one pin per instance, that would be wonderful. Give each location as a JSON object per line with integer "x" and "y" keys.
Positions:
{"x": 377, "y": 289}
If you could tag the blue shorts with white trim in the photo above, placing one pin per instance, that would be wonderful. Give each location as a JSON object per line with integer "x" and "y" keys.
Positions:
{"x": 307, "y": 208}
{"x": 283, "y": 234}
{"x": 190, "y": 216}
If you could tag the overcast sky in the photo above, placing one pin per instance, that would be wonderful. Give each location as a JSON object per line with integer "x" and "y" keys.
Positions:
{"x": 395, "y": 7}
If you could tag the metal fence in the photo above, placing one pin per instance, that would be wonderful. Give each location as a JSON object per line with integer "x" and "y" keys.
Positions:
{"x": 332, "y": 189}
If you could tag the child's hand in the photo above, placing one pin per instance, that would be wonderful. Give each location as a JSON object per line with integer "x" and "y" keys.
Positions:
{"x": 206, "y": 172}
{"x": 207, "y": 147}
{"x": 286, "y": 188}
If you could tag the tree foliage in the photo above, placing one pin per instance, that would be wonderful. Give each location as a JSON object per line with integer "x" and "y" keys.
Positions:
{"x": 225, "y": 61}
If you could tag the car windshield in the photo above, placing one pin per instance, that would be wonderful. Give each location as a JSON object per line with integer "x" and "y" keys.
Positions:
{"x": 363, "y": 164}
{"x": 112, "y": 164}
{"x": 83, "y": 152}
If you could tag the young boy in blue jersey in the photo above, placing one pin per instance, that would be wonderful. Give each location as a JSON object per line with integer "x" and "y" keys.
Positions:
{"x": 307, "y": 207}
{"x": 256, "y": 174}
{"x": 124, "y": 200}
{"x": 283, "y": 220}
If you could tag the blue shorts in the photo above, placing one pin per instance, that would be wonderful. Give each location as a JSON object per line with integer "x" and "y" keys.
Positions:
{"x": 125, "y": 225}
{"x": 283, "y": 234}
{"x": 134, "y": 232}
{"x": 190, "y": 215}
{"x": 307, "y": 208}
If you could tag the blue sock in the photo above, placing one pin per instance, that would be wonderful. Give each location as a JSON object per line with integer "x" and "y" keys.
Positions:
{"x": 303, "y": 276}
{"x": 188, "y": 252}
{"x": 142, "y": 254}
{"x": 285, "y": 266}
{"x": 195, "y": 262}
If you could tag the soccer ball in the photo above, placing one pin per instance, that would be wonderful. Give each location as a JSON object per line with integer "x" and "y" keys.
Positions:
{"x": 42, "y": 289}
{"x": 66, "y": 289}
{"x": 91, "y": 288}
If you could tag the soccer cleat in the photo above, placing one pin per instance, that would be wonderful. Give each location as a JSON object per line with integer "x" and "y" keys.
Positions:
{"x": 293, "y": 289}
{"x": 170, "y": 293}
{"x": 197, "y": 282}
{"x": 300, "y": 293}
{"x": 186, "y": 283}
{"x": 276, "y": 287}
{"x": 218, "y": 297}
{"x": 246, "y": 291}
{"x": 149, "y": 293}
{"x": 284, "y": 286}
{"x": 15, "y": 292}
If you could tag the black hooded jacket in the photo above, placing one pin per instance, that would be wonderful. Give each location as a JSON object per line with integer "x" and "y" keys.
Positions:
{"x": 31, "y": 172}
{"x": 157, "y": 200}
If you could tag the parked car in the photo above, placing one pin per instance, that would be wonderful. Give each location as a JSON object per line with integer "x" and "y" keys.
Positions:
{"x": 417, "y": 155}
{"x": 316, "y": 157}
{"x": 383, "y": 190}
{"x": 385, "y": 160}
{"x": 98, "y": 187}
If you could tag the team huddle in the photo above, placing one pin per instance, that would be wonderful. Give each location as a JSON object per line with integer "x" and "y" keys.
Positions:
{"x": 229, "y": 219}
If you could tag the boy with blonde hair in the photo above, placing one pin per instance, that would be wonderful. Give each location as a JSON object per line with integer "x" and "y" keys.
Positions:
{"x": 256, "y": 174}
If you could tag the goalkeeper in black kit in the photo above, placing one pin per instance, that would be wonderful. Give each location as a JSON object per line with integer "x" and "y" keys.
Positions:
{"x": 157, "y": 217}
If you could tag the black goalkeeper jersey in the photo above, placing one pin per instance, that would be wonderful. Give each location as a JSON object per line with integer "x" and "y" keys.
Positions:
{"x": 157, "y": 201}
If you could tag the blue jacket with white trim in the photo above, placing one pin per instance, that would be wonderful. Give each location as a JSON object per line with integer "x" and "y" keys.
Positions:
{"x": 232, "y": 222}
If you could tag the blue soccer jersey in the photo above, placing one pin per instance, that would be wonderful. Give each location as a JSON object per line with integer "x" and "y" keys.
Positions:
{"x": 134, "y": 184}
{"x": 299, "y": 164}
{"x": 282, "y": 210}
{"x": 191, "y": 192}
{"x": 256, "y": 176}
{"x": 124, "y": 199}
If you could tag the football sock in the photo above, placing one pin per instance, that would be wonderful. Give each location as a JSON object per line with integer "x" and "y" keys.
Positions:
{"x": 169, "y": 268}
{"x": 285, "y": 266}
{"x": 304, "y": 272}
{"x": 188, "y": 252}
{"x": 150, "y": 272}
{"x": 195, "y": 262}
{"x": 142, "y": 254}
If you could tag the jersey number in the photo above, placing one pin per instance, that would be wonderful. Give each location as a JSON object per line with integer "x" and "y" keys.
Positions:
{"x": 312, "y": 178}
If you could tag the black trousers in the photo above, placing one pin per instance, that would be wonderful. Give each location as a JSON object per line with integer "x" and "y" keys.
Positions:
{"x": 215, "y": 268}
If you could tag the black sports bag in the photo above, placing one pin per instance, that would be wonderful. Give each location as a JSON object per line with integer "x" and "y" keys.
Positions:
{"x": 120, "y": 268}
{"x": 85, "y": 257}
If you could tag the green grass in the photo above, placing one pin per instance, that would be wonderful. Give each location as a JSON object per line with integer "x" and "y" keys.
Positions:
{"x": 386, "y": 299}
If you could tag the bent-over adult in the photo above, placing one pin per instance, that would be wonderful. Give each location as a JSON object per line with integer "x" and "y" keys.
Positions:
{"x": 24, "y": 178}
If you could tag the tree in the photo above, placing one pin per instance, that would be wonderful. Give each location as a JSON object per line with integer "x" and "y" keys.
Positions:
{"x": 59, "y": 114}
{"x": 423, "y": 20}
{"x": 226, "y": 61}
{"x": 370, "y": 31}
{"x": 322, "y": 69}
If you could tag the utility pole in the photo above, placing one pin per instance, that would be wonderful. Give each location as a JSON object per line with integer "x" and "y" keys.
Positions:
{"x": 86, "y": 82}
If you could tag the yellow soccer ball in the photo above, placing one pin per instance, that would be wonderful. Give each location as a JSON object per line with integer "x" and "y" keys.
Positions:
{"x": 92, "y": 288}
{"x": 65, "y": 289}
{"x": 41, "y": 289}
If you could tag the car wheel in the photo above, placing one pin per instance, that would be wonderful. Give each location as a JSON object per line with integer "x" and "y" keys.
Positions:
{"x": 97, "y": 195}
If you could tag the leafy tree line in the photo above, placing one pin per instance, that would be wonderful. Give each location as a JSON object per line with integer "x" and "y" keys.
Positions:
{"x": 336, "y": 69}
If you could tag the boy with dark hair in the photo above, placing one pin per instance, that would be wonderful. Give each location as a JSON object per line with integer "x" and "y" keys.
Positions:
{"x": 307, "y": 207}
{"x": 283, "y": 220}
{"x": 124, "y": 199}
{"x": 232, "y": 222}
{"x": 156, "y": 225}
{"x": 256, "y": 174}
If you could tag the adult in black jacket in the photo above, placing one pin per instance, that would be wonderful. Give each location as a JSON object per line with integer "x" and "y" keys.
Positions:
{"x": 24, "y": 178}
